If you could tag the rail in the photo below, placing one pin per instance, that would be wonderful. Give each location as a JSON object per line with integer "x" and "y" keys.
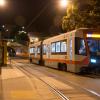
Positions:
{"x": 54, "y": 89}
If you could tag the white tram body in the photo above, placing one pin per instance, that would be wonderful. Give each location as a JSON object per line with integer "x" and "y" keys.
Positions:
{"x": 61, "y": 52}
{"x": 35, "y": 50}
{"x": 69, "y": 51}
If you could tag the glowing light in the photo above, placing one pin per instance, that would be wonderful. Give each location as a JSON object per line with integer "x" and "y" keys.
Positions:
{"x": 64, "y": 3}
{"x": 3, "y": 26}
{"x": 2, "y": 2}
{"x": 7, "y": 30}
{"x": 36, "y": 39}
{"x": 93, "y": 60}
{"x": 23, "y": 27}
{"x": 93, "y": 35}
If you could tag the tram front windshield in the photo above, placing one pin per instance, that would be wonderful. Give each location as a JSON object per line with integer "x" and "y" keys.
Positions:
{"x": 94, "y": 46}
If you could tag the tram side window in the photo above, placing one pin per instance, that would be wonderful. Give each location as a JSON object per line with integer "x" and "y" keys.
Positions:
{"x": 44, "y": 49}
{"x": 58, "y": 47}
{"x": 80, "y": 47}
{"x": 35, "y": 52}
{"x": 63, "y": 46}
{"x": 53, "y": 47}
{"x": 38, "y": 49}
{"x": 30, "y": 50}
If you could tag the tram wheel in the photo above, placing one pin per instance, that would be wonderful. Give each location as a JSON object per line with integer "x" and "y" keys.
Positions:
{"x": 64, "y": 67}
{"x": 59, "y": 66}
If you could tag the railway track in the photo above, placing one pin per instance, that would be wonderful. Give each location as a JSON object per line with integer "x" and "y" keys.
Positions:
{"x": 75, "y": 84}
{"x": 65, "y": 94}
{"x": 29, "y": 74}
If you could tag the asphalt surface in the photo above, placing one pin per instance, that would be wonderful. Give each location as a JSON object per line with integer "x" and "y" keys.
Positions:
{"x": 24, "y": 81}
{"x": 87, "y": 84}
{"x": 90, "y": 82}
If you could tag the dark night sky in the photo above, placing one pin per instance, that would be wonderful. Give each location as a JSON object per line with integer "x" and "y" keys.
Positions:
{"x": 21, "y": 12}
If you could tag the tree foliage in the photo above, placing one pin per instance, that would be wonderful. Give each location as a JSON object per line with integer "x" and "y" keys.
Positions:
{"x": 22, "y": 38}
{"x": 82, "y": 14}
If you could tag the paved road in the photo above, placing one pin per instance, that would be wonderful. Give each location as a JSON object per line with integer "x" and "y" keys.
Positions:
{"x": 16, "y": 85}
{"x": 90, "y": 82}
{"x": 82, "y": 86}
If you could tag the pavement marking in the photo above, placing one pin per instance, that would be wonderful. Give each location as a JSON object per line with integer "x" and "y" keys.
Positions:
{"x": 93, "y": 92}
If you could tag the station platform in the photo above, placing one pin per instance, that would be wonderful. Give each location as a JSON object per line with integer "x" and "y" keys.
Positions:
{"x": 15, "y": 85}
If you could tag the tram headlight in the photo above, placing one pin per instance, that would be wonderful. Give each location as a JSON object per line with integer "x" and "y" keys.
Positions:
{"x": 93, "y": 61}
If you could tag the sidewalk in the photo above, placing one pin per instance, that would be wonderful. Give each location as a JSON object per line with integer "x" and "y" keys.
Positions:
{"x": 15, "y": 85}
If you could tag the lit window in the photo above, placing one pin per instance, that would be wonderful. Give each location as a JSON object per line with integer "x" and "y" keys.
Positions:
{"x": 44, "y": 48}
{"x": 80, "y": 47}
{"x": 38, "y": 50}
{"x": 35, "y": 52}
{"x": 57, "y": 46}
{"x": 30, "y": 50}
{"x": 53, "y": 47}
{"x": 63, "y": 46}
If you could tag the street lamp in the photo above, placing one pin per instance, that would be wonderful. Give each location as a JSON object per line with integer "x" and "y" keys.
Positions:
{"x": 7, "y": 30}
{"x": 3, "y": 26}
{"x": 64, "y": 3}
{"x": 23, "y": 27}
{"x": 34, "y": 39}
{"x": 2, "y": 2}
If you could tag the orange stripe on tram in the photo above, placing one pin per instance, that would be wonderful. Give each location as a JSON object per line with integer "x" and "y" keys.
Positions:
{"x": 84, "y": 61}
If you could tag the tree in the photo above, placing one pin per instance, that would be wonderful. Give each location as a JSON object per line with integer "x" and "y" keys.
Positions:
{"x": 82, "y": 14}
{"x": 22, "y": 38}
